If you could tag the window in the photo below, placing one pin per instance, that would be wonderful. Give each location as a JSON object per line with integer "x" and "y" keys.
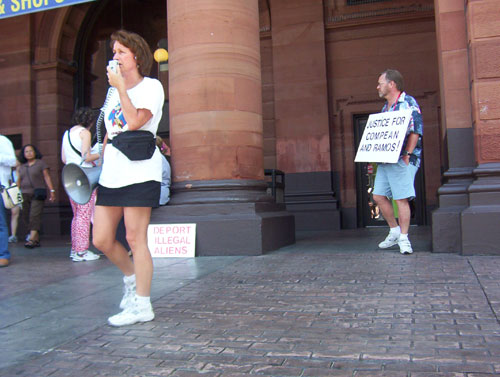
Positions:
{"x": 16, "y": 139}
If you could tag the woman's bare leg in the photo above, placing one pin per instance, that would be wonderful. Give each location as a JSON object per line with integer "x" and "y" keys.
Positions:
{"x": 106, "y": 220}
{"x": 136, "y": 227}
{"x": 14, "y": 220}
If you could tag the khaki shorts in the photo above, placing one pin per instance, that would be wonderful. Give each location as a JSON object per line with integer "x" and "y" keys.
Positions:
{"x": 395, "y": 181}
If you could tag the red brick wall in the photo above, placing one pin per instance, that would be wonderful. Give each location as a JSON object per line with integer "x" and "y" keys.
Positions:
{"x": 16, "y": 99}
{"x": 300, "y": 86}
{"x": 483, "y": 25}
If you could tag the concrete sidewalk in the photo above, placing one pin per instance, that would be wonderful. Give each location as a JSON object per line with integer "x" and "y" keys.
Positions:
{"x": 330, "y": 305}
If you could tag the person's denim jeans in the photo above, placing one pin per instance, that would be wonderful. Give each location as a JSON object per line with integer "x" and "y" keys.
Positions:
{"x": 4, "y": 233}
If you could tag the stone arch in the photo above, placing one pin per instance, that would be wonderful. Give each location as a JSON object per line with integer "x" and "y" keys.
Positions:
{"x": 55, "y": 34}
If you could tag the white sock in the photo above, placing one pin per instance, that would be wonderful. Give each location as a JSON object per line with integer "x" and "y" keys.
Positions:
{"x": 129, "y": 280}
{"x": 142, "y": 300}
{"x": 403, "y": 236}
{"x": 395, "y": 230}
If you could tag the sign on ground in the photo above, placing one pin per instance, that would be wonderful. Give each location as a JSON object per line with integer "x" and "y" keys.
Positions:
{"x": 172, "y": 240}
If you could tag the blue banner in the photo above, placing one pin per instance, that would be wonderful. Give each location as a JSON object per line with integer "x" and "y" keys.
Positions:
{"x": 11, "y": 8}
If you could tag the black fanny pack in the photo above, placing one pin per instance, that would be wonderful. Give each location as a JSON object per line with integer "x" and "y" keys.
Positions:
{"x": 136, "y": 145}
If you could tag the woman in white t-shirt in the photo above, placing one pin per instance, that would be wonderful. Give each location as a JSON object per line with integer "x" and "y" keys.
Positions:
{"x": 126, "y": 188}
{"x": 76, "y": 148}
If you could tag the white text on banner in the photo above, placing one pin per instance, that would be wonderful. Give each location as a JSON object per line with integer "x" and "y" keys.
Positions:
{"x": 11, "y": 8}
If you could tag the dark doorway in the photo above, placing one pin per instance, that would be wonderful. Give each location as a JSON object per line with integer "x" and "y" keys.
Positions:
{"x": 368, "y": 213}
{"x": 148, "y": 18}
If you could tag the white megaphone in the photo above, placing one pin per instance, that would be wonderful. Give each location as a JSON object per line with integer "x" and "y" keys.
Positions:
{"x": 79, "y": 182}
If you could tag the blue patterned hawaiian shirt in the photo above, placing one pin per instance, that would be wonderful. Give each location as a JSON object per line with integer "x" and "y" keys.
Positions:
{"x": 416, "y": 125}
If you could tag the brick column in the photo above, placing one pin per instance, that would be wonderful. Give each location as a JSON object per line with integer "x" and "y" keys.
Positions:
{"x": 216, "y": 129}
{"x": 468, "y": 35}
{"x": 215, "y": 88}
{"x": 480, "y": 221}
{"x": 456, "y": 113}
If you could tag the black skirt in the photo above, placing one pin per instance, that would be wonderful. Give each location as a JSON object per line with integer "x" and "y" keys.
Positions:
{"x": 146, "y": 194}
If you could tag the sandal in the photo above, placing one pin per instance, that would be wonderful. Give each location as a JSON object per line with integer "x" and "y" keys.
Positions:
{"x": 32, "y": 244}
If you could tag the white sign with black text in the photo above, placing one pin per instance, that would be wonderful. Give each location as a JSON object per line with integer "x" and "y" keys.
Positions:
{"x": 383, "y": 137}
{"x": 172, "y": 240}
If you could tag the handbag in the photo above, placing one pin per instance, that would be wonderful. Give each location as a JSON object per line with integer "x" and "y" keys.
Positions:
{"x": 40, "y": 194}
{"x": 136, "y": 145}
{"x": 12, "y": 196}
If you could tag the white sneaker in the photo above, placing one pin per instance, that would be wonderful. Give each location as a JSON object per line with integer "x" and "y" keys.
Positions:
{"x": 405, "y": 246}
{"x": 133, "y": 314}
{"x": 390, "y": 240}
{"x": 128, "y": 294}
{"x": 83, "y": 256}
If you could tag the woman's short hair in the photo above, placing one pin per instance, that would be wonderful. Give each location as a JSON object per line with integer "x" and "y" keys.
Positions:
{"x": 23, "y": 159}
{"x": 84, "y": 116}
{"x": 138, "y": 46}
{"x": 394, "y": 75}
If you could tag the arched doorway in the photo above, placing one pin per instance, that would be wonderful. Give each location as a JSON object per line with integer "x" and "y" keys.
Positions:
{"x": 148, "y": 18}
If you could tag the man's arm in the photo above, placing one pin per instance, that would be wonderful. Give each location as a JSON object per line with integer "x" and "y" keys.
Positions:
{"x": 416, "y": 130}
{"x": 7, "y": 154}
{"x": 410, "y": 146}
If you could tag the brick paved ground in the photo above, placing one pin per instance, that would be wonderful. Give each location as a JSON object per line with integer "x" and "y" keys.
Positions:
{"x": 331, "y": 305}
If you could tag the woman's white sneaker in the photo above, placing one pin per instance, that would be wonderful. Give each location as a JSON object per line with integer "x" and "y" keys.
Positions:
{"x": 128, "y": 293}
{"x": 133, "y": 314}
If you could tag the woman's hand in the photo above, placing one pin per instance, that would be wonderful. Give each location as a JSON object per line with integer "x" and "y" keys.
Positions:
{"x": 48, "y": 183}
{"x": 116, "y": 79}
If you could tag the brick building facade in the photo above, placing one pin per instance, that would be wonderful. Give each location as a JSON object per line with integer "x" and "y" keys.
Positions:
{"x": 255, "y": 85}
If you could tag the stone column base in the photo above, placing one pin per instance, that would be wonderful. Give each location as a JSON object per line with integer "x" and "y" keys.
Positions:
{"x": 446, "y": 220}
{"x": 232, "y": 228}
{"x": 481, "y": 220}
{"x": 233, "y": 217}
{"x": 309, "y": 196}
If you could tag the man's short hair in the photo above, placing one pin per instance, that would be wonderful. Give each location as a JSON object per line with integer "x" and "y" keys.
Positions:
{"x": 396, "y": 76}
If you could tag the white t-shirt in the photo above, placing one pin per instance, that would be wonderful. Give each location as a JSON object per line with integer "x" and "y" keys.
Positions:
{"x": 117, "y": 169}
{"x": 69, "y": 153}
{"x": 8, "y": 160}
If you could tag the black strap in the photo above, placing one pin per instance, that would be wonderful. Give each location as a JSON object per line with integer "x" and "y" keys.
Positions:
{"x": 72, "y": 146}
{"x": 28, "y": 172}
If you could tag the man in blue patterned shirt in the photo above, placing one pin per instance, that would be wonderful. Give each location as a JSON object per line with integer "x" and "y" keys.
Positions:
{"x": 396, "y": 181}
